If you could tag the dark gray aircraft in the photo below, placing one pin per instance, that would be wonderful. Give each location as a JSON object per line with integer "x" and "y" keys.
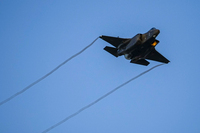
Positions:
{"x": 136, "y": 49}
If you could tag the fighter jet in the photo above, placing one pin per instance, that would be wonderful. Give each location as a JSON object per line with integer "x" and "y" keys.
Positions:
{"x": 137, "y": 49}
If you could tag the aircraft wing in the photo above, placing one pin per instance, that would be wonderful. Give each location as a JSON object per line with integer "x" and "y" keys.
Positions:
{"x": 141, "y": 62}
{"x": 115, "y": 41}
{"x": 156, "y": 56}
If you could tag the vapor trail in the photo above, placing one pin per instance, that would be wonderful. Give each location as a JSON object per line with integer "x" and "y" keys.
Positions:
{"x": 40, "y": 79}
{"x": 99, "y": 99}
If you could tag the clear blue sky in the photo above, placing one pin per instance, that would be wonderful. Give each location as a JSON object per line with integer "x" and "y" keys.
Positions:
{"x": 36, "y": 36}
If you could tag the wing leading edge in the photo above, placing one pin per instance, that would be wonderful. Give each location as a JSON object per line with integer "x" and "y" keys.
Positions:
{"x": 140, "y": 62}
{"x": 156, "y": 56}
{"x": 115, "y": 41}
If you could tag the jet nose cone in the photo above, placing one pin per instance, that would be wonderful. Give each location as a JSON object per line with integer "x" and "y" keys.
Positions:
{"x": 156, "y": 32}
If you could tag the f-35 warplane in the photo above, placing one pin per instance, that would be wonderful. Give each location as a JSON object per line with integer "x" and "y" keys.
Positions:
{"x": 137, "y": 49}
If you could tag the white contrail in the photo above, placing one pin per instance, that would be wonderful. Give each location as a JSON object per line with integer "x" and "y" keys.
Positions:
{"x": 99, "y": 99}
{"x": 40, "y": 79}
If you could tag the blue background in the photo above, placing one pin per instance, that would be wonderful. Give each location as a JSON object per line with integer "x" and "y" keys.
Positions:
{"x": 36, "y": 36}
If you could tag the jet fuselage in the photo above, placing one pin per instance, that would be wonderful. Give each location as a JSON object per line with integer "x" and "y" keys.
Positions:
{"x": 139, "y": 46}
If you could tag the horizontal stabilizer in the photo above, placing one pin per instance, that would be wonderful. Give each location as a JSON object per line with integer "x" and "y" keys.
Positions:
{"x": 115, "y": 41}
{"x": 111, "y": 50}
{"x": 156, "y": 56}
{"x": 140, "y": 62}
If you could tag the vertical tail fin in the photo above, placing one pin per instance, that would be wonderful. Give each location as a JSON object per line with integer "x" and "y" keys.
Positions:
{"x": 111, "y": 50}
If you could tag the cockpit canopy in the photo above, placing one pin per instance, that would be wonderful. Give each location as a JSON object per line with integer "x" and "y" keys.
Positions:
{"x": 153, "y": 28}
